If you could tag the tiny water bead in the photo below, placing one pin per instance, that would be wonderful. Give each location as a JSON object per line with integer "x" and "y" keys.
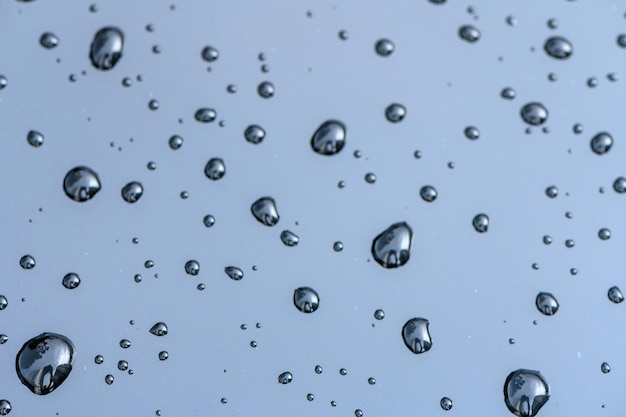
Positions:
{"x": 209, "y": 53}
{"x": 358, "y": 413}
{"x": 379, "y": 314}
{"x": 192, "y": 267}
{"x": 384, "y": 47}
{"x": 137, "y": 278}
{"x": 132, "y": 192}
{"x": 329, "y": 138}
{"x": 370, "y": 178}
{"x": 338, "y": 246}
{"x": 395, "y": 112}
{"x": 546, "y": 304}
{"x": 265, "y": 211}
{"x": 3, "y": 338}
{"x": 471, "y": 132}
{"x": 416, "y": 335}
{"x": 99, "y": 359}
{"x": 81, "y": 184}
{"x": 508, "y": 93}
{"x": 578, "y": 128}
{"x": 254, "y": 134}
{"x": 205, "y": 115}
{"x": 481, "y": 223}
{"x": 285, "y": 378}
{"x": 215, "y": 169}
{"x": 109, "y": 379}
{"x": 552, "y": 191}
{"x": 266, "y": 89}
{"x": 558, "y": 47}
{"x": 44, "y": 362}
{"x": 106, "y": 48}
{"x": 428, "y": 193}
{"x": 469, "y": 33}
{"x": 446, "y": 403}
{"x": 525, "y": 392}
{"x": 234, "y": 273}
{"x": 34, "y": 138}
{"x": 392, "y": 247}
{"x": 159, "y": 329}
{"x": 605, "y": 368}
{"x": 5, "y": 407}
{"x": 289, "y": 238}
{"x": 615, "y": 295}
{"x": 175, "y": 142}
{"x": 71, "y": 281}
{"x": 534, "y": 113}
{"x": 601, "y": 143}
{"x": 27, "y": 262}
{"x": 604, "y": 234}
{"x": 306, "y": 299}
{"x": 619, "y": 185}
{"x": 592, "y": 82}
{"x": 344, "y": 35}
{"x": 153, "y": 104}
{"x": 148, "y": 264}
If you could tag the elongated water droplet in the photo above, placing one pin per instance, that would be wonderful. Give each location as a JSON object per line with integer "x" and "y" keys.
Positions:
{"x": 192, "y": 267}
{"x": 285, "y": 378}
{"x": 395, "y": 112}
{"x": 210, "y": 54}
{"x": 106, "y": 48}
{"x": 601, "y": 143}
{"x": 159, "y": 329}
{"x": 416, "y": 335}
{"x": 48, "y": 40}
{"x": 558, "y": 47}
{"x": 384, "y": 47}
{"x": 469, "y": 33}
{"x": 329, "y": 138}
{"x": 132, "y": 192}
{"x": 254, "y": 134}
{"x": 5, "y": 407}
{"x": 205, "y": 115}
{"x": 27, "y": 262}
{"x": 534, "y": 113}
{"x": 289, "y": 238}
{"x": 44, "y": 362}
{"x": 525, "y": 392}
{"x": 234, "y": 273}
{"x": 264, "y": 210}
{"x": 306, "y": 299}
{"x": 615, "y": 295}
{"x": 81, "y": 184}
{"x": 481, "y": 223}
{"x": 392, "y": 248}
{"x": 428, "y": 193}
{"x": 605, "y": 368}
{"x": 546, "y": 303}
{"x": 71, "y": 281}
{"x": 215, "y": 169}
{"x": 34, "y": 139}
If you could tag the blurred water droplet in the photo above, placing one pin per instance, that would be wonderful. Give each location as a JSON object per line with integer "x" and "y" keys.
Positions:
{"x": 208, "y": 220}
{"x": 132, "y": 192}
{"x": 81, "y": 184}
{"x": 344, "y": 35}
{"x": 99, "y": 359}
{"x": 266, "y": 89}
{"x": 370, "y": 178}
{"x": 338, "y": 246}
{"x": 329, "y": 138}
{"x": 511, "y": 341}
{"x": 125, "y": 343}
{"x": 605, "y": 368}
{"x": 289, "y": 238}
{"x": 306, "y": 299}
{"x": 153, "y": 104}
{"x": 601, "y": 143}
{"x": 254, "y": 134}
{"x": 122, "y": 365}
{"x": 48, "y": 40}
{"x": 109, "y": 379}
{"x": 578, "y": 128}
{"x": 159, "y": 329}
{"x": 416, "y": 335}
{"x": 71, "y": 281}
{"x": 5, "y": 407}
{"x": 379, "y": 314}
{"x": 546, "y": 304}
{"x": 285, "y": 378}
{"x": 34, "y": 139}
{"x": 253, "y": 344}
{"x": 106, "y": 48}
{"x": 392, "y": 247}
{"x": 615, "y": 295}
{"x": 137, "y": 278}
{"x": 534, "y": 113}
{"x": 558, "y": 47}
{"x": 525, "y": 392}
{"x": 27, "y": 262}
{"x": 552, "y": 191}
{"x": 215, "y": 169}
{"x": 511, "y": 21}
{"x": 553, "y": 23}
{"x": 151, "y": 166}
{"x": 592, "y": 82}
{"x": 481, "y": 223}
{"x": 318, "y": 369}
{"x": 175, "y": 142}
{"x": 343, "y": 372}
{"x": 192, "y": 267}
{"x": 205, "y": 115}
{"x": 469, "y": 33}
{"x": 210, "y": 54}
{"x": 619, "y": 185}
{"x": 264, "y": 210}
{"x": 3, "y": 82}
{"x": 234, "y": 273}
{"x": 508, "y": 93}
{"x": 472, "y": 133}
{"x": 428, "y": 193}
{"x": 395, "y": 112}
{"x": 384, "y": 47}
{"x": 44, "y": 362}
{"x": 446, "y": 403}
{"x": 333, "y": 403}
{"x": 604, "y": 234}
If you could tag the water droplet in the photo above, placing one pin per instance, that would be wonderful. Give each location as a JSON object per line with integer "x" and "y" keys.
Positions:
{"x": 395, "y": 112}
{"x": 306, "y": 299}
{"x": 205, "y": 115}
{"x": 592, "y": 82}
{"x": 604, "y": 234}
{"x": 535, "y": 266}
{"x": 175, "y": 142}
{"x": 34, "y": 139}
{"x": 534, "y": 113}
{"x": 208, "y": 220}
{"x": 253, "y": 344}
{"x": 573, "y": 271}
{"x": 511, "y": 341}
{"x": 122, "y": 365}
{"x": 264, "y": 210}
{"x": 343, "y": 372}
{"x": 234, "y": 273}
{"x": 371, "y": 381}
{"x": 71, "y": 281}
{"x": 341, "y": 184}
{"x": 210, "y": 54}
{"x": 379, "y": 314}
{"x": 338, "y": 246}
{"x": 344, "y": 35}
{"x": 318, "y": 369}
{"x": 3, "y": 82}
{"x": 416, "y": 335}
{"x": 201, "y": 287}
{"x": 392, "y": 248}
{"x": 578, "y": 128}
{"x": 266, "y": 89}
{"x": 619, "y": 185}
{"x": 525, "y": 392}
{"x": 384, "y": 47}
{"x": 508, "y": 93}
{"x": 569, "y": 243}
{"x": 446, "y": 403}
{"x": 127, "y": 81}
{"x": 546, "y": 303}
{"x": 137, "y": 278}
{"x": 333, "y": 403}
{"x": 215, "y": 169}
{"x": 472, "y": 133}
{"x": 27, "y": 262}
{"x": 109, "y": 379}
{"x": 310, "y": 397}
{"x": 153, "y": 104}
{"x": 254, "y": 134}
{"x": 99, "y": 359}
{"x": 192, "y": 267}
{"x": 5, "y": 407}
{"x": 48, "y": 40}
{"x": 428, "y": 193}
{"x": 558, "y": 47}
{"x": 159, "y": 329}
{"x": 601, "y": 143}
{"x": 370, "y": 178}
{"x": 132, "y": 192}
{"x": 552, "y": 191}
{"x": 358, "y": 413}
{"x": 553, "y": 23}
{"x": 285, "y": 378}
{"x": 151, "y": 165}
{"x": 469, "y": 33}
{"x": 605, "y": 368}
{"x": 481, "y": 223}
{"x": 329, "y": 138}
{"x": 106, "y": 48}
{"x": 163, "y": 355}
{"x": 125, "y": 343}
{"x": 4, "y": 303}
{"x": 81, "y": 184}
{"x": 289, "y": 238}
{"x": 615, "y": 295}
{"x": 44, "y": 362}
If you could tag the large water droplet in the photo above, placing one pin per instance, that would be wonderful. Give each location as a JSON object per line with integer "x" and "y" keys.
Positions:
{"x": 615, "y": 295}
{"x": 81, "y": 184}
{"x": 546, "y": 303}
{"x": 215, "y": 169}
{"x": 285, "y": 378}
{"x": 106, "y": 48}
{"x": 71, "y": 281}
{"x": 254, "y": 134}
{"x": 234, "y": 273}
{"x": 205, "y": 115}
{"x": 416, "y": 335}
{"x": 5, "y": 407}
{"x": 601, "y": 143}
{"x": 469, "y": 33}
{"x": 159, "y": 329}
{"x": 481, "y": 223}
{"x": 34, "y": 139}
{"x": 558, "y": 47}
{"x": 395, "y": 112}
{"x": 306, "y": 299}
{"x": 384, "y": 47}
{"x": 392, "y": 248}
{"x": 132, "y": 192}
{"x": 525, "y": 392}
{"x": 534, "y": 113}
{"x": 48, "y": 40}
{"x": 264, "y": 210}
{"x": 329, "y": 138}
{"x": 289, "y": 238}
{"x": 27, "y": 262}
{"x": 44, "y": 362}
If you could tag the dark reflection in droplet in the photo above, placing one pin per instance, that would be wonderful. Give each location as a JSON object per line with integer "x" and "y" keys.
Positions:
{"x": 205, "y": 115}
{"x": 159, "y": 329}
{"x": 329, "y": 138}
{"x": 558, "y": 47}
{"x": 525, "y": 392}
{"x": 264, "y": 210}
{"x": 132, "y": 192}
{"x": 546, "y": 303}
{"x": 481, "y": 223}
{"x": 392, "y": 247}
{"x": 534, "y": 113}
{"x": 215, "y": 169}
{"x": 81, "y": 184}
{"x": 44, "y": 362}
{"x": 289, "y": 238}
{"x": 416, "y": 335}
{"x": 469, "y": 33}
{"x": 106, "y": 48}
{"x": 306, "y": 299}
{"x": 254, "y": 134}
{"x": 615, "y": 295}
{"x": 34, "y": 138}
{"x": 234, "y": 273}
{"x": 71, "y": 281}
{"x": 601, "y": 143}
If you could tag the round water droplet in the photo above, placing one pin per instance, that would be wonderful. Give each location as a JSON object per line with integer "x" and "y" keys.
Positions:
{"x": 81, "y": 184}
{"x": 175, "y": 142}
{"x": 208, "y": 220}
{"x": 534, "y": 113}
{"x": 358, "y": 413}
{"x": 205, "y": 115}
{"x": 71, "y": 281}
{"x": 525, "y": 392}
{"x": 601, "y": 143}
{"x": 392, "y": 247}
{"x": 592, "y": 82}
{"x": 343, "y": 372}
{"x": 48, "y": 40}
{"x": 344, "y": 35}
{"x": 285, "y": 378}
{"x": 125, "y": 343}
{"x": 289, "y": 238}
{"x": 604, "y": 234}
{"x": 3, "y": 82}
{"x": 99, "y": 359}
{"x": 428, "y": 193}
{"x": 569, "y": 243}
{"x": 137, "y": 278}
{"x": 132, "y": 192}
{"x": 264, "y": 210}
{"x": 266, "y": 89}
{"x": 446, "y": 403}
{"x": 210, "y": 54}
{"x": 615, "y": 295}
{"x": 4, "y": 303}
{"x": 253, "y": 344}
{"x": 558, "y": 47}
{"x": 384, "y": 47}
{"x": 151, "y": 166}
{"x": 395, "y": 112}
{"x": 215, "y": 169}
{"x": 231, "y": 88}
{"x": 338, "y": 246}
{"x": 109, "y": 379}
{"x": 481, "y": 223}
{"x": 234, "y": 273}
{"x": 153, "y": 104}
{"x": 379, "y": 314}
{"x": 508, "y": 93}
{"x": 254, "y": 134}
{"x": 310, "y": 397}
{"x": 578, "y": 128}
{"x": 159, "y": 329}
{"x": 34, "y": 139}
{"x": 192, "y": 267}
{"x": 306, "y": 299}
{"x": 5, "y": 407}
{"x": 329, "y": 138}
{"x": 27, "y": 262}
{"x": 44, "y": 362}
{"x": 619, "y": 185}
{"x": 511, "y": 341}
{"x": 122, "y": 365}
{"x": 318, "y": 369}
{"x": 3, "y": 339}
{"x": 106, "y": 48}
{"x": 546, "y": 304}
{"x": 370, "y": 178}
{"x": 371, "y": 381}
{"x": 163, "y": 355}
{"x": 552, "y": 191}
{"x": 472, "y": 133}
{"x": 416, "y": 335}
{"x": 469, "y": 33}
{"x": 553, "y": 23}
{"x": 605, "y": 368}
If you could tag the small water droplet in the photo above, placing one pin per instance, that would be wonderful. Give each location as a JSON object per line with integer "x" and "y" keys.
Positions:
{"x": 601, "y": 143}
{"x": 234, "y": 273}
{"x": 511, "y": 341}
{"x": 338, "y": 246}
{"x": 253, "y": 344}
{"x": 392, "y": 247}
{"x": 569, "y": 243}
{"x": 416, "y": 335}
{"x": 446, "y": 403}
{"x": 384, "y": 47}
{"x": 573, "y": 271}
{"x": 318, "y": 369}
{"x": 481, "y": 223}
{"x": 428, "y": 193}
{"x": 266, "y": 89}
{"x": 344, "y": 35}
{"x": 511, "y": 21}
{"x": 472, "y": 133}
{"x": 27, "y": 262}
{"x": 310, "y": 397}
{"x": 132, "y": 192}
{"x": 122, "y": 365}
{"x": 81, "y": 184}
{"x": 621, "y": 40}
{"x": 592, "y": 82}
{"x": 71, "y": 281}
{"x": 552, "y": 191}
{"x": 395, "y": 112}
{"x": 99, "y": 359}
{"x": 137, "y": 278}
{"x": 619, "y": 185}
{"x": 546, "y": 304}
{"x": 153, "y": 104}
{"x": 209, "y": 53}
{"x": 125, "y": 343}
{"x": 34, "y": 138}
{"x": 201, "y": 287}
{"x": 358, "y": 413}
{"x": 553, "y": 23}
{"x": 343, "y": 372}
{"x": 371, "y": 381}
{"x": 578, "y": 128}
{"x": 3, "y": 339}
{"x": 306, "y": 299}
{"x": 370, "y": 178}
{"x": 4, "y": 303}
{"x": 615, "y": 295}
{"x": 534, "y": 113}
{"x": 285, "y": 378}
{"x": 264, "y": 210}
{"x": 109, "y": 379}
{"x": 289, "y": 238}
{"x": 333, "y": 403}
{"x": 205, "y": 115}
{"x": 558, "y": 47}
{"x": 3, "y": 82}
{"x": 49, "y": 40}
{"x": 508, "y": 93}
{"x": 151, "y": 165}
{"x": 535, "y": 266}
{"x": 525, "y": 392}
{"x": 469, "y": 33}
{"x": 341, "y": 184}
{"x": 604, "y": 234}
{"x": 208, "y": 220}
{"x": 192, "y": 267}
{"x": 106, "y": 48}
{"x": 163, "y": 355}
{"x": 547, "y": 239}
{"x": 254, "y": 134}
{"x": 329, "y": 138}
{"x": 159, "y": 329}
{"x": 5, "y": 407}
{"x": 215, "y": 169}
{"x": 379, "y": 314}
{"x": 175, "y": 142}
{"x": 605, "y": 368}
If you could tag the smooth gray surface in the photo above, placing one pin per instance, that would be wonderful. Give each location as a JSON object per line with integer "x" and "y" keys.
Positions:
{"x": 477, "y": 290}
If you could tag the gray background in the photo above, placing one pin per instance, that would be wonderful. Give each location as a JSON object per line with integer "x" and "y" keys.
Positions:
{"x": 476, "y": 290}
